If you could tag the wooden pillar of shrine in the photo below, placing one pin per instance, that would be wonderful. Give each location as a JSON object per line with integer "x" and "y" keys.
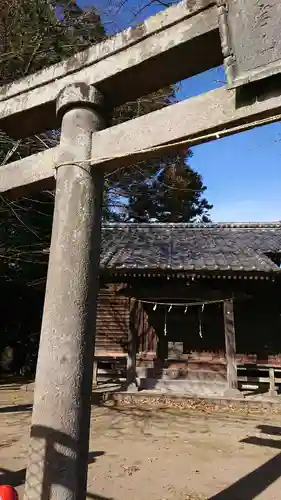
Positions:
{"x": 230, "y": 350}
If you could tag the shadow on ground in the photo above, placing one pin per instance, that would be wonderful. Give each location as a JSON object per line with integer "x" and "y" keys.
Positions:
{"x": 97, "y": 497}
{"x": 253, "y": 484}
{"x": 14, "y": 478}
{"x": 15, "y": 408}
{"x": 17, "y": 478}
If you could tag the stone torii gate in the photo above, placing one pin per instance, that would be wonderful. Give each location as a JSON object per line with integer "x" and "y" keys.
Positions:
{"x": 182, "y": 41}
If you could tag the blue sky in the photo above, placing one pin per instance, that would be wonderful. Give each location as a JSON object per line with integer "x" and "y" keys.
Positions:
{"x": 242, "y": 172}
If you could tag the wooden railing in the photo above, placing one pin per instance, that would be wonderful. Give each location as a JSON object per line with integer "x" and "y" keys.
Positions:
{"x": 113, "y": 366}
{"x": 117, "y": 366}
{"x": 260, "y": 374}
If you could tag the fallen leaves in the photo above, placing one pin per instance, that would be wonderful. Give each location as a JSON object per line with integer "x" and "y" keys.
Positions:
{"x": 130, "y": 469}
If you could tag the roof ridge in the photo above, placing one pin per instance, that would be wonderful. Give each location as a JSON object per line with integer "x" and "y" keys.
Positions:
{"x": 191, "y": 225}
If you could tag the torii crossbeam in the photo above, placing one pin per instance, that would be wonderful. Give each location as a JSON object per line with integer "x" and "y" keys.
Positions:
{"x": 182, "y": 41}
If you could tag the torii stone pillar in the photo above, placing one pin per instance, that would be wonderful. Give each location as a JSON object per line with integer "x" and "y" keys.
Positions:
{"x": 58, "y": 455}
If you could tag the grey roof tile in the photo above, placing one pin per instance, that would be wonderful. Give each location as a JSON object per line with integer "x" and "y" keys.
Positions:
{"x": 211, "y": 247}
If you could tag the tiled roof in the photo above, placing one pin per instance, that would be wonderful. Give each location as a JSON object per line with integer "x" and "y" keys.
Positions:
{"x": 192, "y": 248}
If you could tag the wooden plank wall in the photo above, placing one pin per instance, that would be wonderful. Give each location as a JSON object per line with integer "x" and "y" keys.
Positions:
{"x": 116, "y": 315}
{"x": 113, "y": 317}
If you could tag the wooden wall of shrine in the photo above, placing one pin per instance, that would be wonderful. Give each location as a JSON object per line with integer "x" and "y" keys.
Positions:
{"x": 179, "y": 336}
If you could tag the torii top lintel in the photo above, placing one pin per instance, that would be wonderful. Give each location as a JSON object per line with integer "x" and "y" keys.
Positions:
{"x": 119, "y": 66}
{"x": 177, "y": 43}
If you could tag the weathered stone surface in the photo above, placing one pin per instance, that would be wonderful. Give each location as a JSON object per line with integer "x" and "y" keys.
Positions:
{"x": 58, "y": 453}
{"x": 251, "y": 39}
{"x": 113, "y": 45}
{"x": 199, "y": 119}
{"x": 30, "y": 171}
{"x": 186, "y": 33}
{"x": 76, "y": 94}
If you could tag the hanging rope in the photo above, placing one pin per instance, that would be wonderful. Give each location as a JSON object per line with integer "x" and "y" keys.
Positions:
{"x": 177, "y": 144}
{"x": 181, "y": 304}
{"x": 200, "y": 320}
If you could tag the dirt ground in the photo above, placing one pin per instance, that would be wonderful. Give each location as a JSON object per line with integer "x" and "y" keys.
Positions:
{"x": 160, "y": 454}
